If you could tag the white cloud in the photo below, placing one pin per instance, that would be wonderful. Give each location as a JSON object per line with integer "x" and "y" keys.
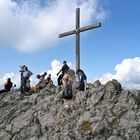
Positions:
{"x": 27, "y": 26}
{"x": 127, "y": 73}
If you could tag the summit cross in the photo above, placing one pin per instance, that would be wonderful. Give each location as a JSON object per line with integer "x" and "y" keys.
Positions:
{"x": 77, "y": 34}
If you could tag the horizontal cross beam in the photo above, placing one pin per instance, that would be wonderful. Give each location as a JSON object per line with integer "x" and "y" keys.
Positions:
{"x": 82, "y": 29}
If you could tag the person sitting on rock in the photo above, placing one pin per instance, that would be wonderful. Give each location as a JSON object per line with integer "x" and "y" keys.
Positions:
{"x": 41, "y": 84}
{"x": 43, "y": 75}
{"x": 49, "y": 80}
{"x": 7, "y": 86}
{"x": 83, "y": 80}
{"x": 64, "y": 68}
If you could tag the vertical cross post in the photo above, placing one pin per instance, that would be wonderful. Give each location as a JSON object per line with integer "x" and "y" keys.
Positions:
{"x": 77, "y": 39}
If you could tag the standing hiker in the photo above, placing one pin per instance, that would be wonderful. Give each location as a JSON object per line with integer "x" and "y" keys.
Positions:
{"x": 64, "y": 68}
{"x": 25, "y": 75}
{"x": 83, "y": 80}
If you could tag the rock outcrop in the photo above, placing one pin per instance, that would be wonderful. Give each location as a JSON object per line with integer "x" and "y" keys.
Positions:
{"x": 103, "y": 112}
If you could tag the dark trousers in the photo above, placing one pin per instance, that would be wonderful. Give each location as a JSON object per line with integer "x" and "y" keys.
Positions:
{"x": 82, "y": 87}
{"x": 23, "y": 87}
{"x": 59, "y": 80}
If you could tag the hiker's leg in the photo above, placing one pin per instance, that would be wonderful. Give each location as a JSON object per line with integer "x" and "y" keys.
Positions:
{"x": 24, "y": 84}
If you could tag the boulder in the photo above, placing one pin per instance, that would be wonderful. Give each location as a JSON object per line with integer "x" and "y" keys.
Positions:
{"x": 97, "y": 84}
{"x": 113, "y": 86}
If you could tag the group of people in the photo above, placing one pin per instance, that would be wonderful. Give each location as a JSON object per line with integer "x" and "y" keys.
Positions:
{"x": 25, "y": 81}
{"x": 64, "y": 79}
{"x": 42, "y": 82}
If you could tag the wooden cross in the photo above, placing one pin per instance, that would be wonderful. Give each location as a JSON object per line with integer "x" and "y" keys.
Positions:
{"x": 77, "y": 33}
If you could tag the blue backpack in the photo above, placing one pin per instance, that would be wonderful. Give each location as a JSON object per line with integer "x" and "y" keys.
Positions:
{"x": 29, "y": 74}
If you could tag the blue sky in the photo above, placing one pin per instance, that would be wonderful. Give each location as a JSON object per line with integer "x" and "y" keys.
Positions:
{"x": 29, "y": 35}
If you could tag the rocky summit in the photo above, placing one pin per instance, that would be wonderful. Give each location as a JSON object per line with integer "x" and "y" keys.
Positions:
{"x": 103, "y": 112}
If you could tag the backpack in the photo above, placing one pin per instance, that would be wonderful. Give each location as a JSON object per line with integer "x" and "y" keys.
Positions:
{"x": 67, "y": 94}
{"x": 28, "y": 74}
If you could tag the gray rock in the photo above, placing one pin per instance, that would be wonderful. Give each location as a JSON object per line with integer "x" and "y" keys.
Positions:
{"x": 113, "y": 86}
{"x": 115, "y": 138}
{"x": 101, "y": 128}
{"x": 103, "y": 112}
{"x": 97, "y": 84}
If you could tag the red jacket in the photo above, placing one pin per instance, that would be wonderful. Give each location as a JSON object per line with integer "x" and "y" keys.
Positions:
{"x": 8, "y": 86}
